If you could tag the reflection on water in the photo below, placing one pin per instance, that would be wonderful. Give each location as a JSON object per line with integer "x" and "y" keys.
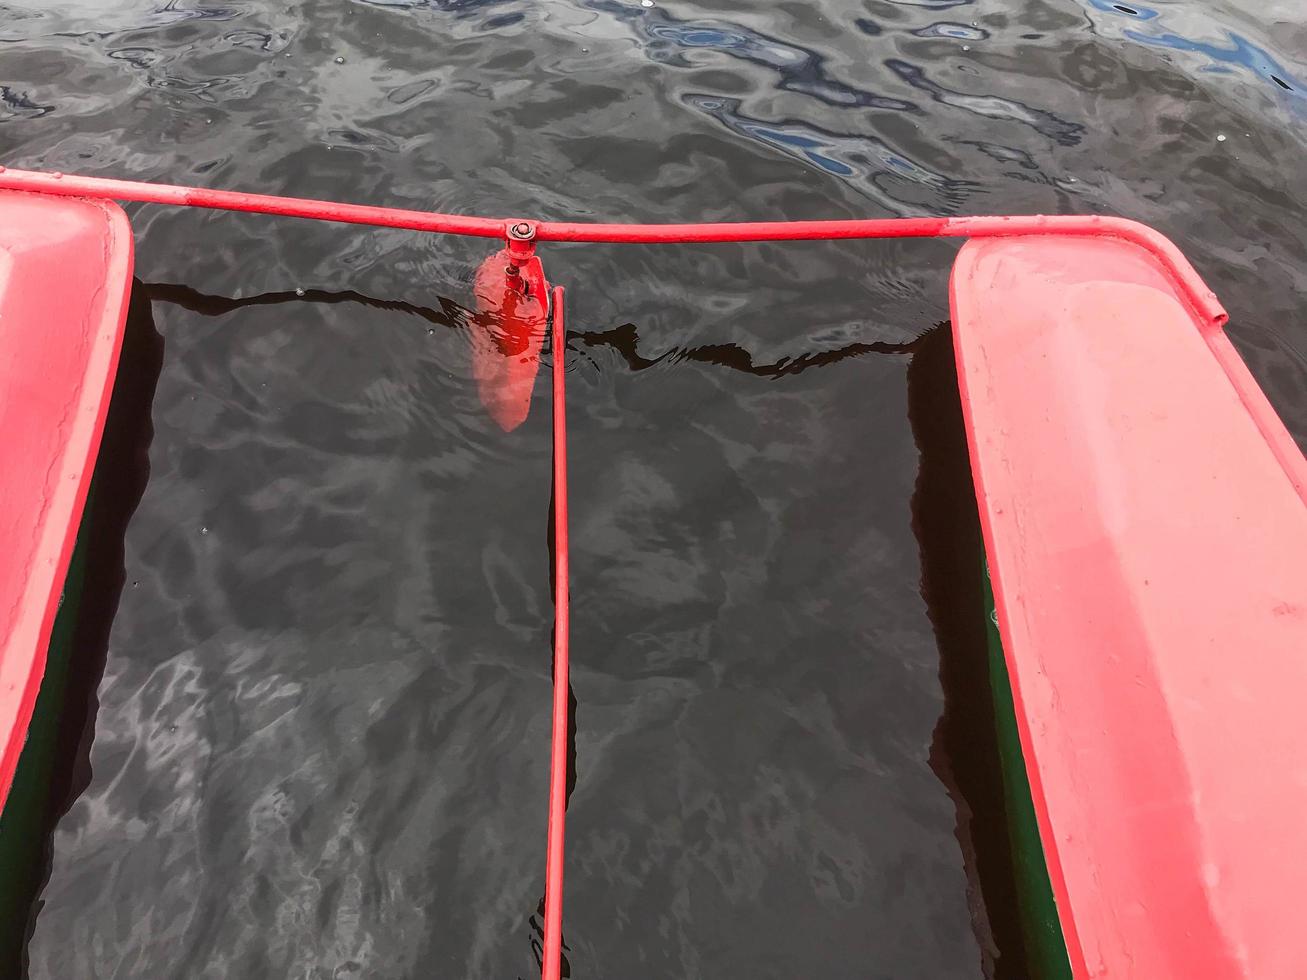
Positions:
{"x": 1239, "y": 54}
{"x": 798, "y": 69}
{"x": 20, "y": 105}
{"x": 964, "y": 754}
{"x": 115, "y": 494}
{"x": 321, "y": 736}
{"x": 990, "y": 106}
{"x": 1229, "y": 51}
{"x": 866, "y": 163}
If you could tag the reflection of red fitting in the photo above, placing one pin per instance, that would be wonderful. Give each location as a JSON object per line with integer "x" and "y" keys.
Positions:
{"x": 513, "y": 273}
{"x": 511, "y": 297}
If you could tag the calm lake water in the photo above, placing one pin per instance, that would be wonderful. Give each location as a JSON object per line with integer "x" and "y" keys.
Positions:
{"x": 316, "y": 731}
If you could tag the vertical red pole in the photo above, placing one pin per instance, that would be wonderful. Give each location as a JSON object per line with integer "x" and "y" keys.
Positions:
{"x": 553, "y": 943}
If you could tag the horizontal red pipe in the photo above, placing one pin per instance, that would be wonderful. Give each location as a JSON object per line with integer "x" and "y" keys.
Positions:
{"x": 742, "y": 231}
{"x": 70, "y": 185}
{"x": 1201, "y": 299}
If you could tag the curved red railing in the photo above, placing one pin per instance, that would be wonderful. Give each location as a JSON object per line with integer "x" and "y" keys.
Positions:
{"x": 70, "y": 185}
{"x": 1192, "y": 287}
{"x": 1202, "y": 300}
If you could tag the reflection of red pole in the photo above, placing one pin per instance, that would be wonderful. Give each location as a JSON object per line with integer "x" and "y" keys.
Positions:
{"x": 553, "y": 944}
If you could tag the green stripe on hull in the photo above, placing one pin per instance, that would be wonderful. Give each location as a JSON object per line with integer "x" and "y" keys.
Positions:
{"x": 1045, "y": 945}
{"x": 26, "y": 810}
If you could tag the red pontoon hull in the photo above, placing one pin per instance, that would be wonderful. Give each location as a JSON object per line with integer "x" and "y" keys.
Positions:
{"x": 65, "y": 275}
{"x": 1146, "y": 528}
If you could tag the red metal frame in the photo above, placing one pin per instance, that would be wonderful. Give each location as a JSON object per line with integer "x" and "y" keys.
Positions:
{"x": 521, "y": 235}
{"x": 70, "y": 185}
{"x": 1200, "y": 298}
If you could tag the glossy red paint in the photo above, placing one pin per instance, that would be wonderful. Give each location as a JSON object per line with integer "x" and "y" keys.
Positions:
{"x": 71, "y": 185}
{"x": 507, "y": 332}
{"x": 1146, "y": 526}
{"x": 1197, "y": 295}
{"x": 65, "y": 274}
{"x": 553, "y": 927}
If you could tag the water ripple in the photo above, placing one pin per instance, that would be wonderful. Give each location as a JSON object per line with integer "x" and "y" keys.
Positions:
{"x": 1241, "y": 53}
{"x": 800, "y": 69}
{"x": 868, "y": 163}
{"x": 20, "y": 105}
{"x": 959, "y": 32}
{"x": 445, "y": 6}
{"x": 322, "y": 732}
{"x": 991, "y": 106}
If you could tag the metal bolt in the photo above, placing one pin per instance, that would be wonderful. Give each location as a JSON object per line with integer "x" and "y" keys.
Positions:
{"x": 522, "y": 231}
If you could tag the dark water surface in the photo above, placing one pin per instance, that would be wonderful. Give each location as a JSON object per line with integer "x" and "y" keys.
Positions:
{"x": 319, "y": 744}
